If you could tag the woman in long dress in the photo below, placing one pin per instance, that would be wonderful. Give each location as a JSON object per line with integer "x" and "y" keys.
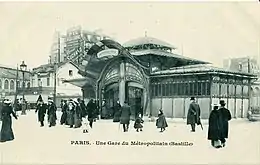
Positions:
{"x": 77, "y": 115}
{"x": 70, "y": 114}
{"x": 6, "y": 133}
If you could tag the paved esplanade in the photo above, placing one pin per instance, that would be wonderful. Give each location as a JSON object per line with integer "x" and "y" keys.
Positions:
{"x": 35, "y": 144}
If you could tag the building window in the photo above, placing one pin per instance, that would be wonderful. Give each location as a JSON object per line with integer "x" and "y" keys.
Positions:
{"x": 163, "y": 89}
{"x": 6, "y": 85}
{"x": 239, "y": 90}
{"x": 18, "y": 84}
{"x": 12, "y": 84}
{"x": 159, "y": 89}
{"x": 28, "y": 85}
{"x": 48, "y": 81}
{"x": 39, "y": 82}
{"x": 70, "y": 73}
{"x": 32, "y": 82}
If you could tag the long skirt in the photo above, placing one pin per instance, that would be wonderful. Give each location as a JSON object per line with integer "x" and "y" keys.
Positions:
{"x": 52, "y": 119}
{"x": 6, "y": 133}
{"x": 63, "y": 118}
{"x": 70, "y": 119}
{"x": 116, "y": 117}
{"x": 77, "y": 120}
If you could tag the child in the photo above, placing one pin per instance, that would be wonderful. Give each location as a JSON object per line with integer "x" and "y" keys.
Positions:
{"x": 161, "y": 121}
{"x": 138, "y": 123}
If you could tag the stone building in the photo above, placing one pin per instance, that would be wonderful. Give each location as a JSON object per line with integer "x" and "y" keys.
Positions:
{"x": 9, "y": 80}
{"x": 43, "y": 81}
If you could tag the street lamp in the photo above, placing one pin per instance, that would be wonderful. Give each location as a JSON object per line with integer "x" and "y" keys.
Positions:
{"x": 23, "y": 68}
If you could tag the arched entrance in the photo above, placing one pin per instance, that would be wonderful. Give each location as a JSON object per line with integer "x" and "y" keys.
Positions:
{"x": 123, "y": 81}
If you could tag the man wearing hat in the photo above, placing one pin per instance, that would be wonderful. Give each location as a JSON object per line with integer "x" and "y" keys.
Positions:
{"x": 41, "y": 109}
{"x": 193, "y": 116}
{"x": 226, "y": 116}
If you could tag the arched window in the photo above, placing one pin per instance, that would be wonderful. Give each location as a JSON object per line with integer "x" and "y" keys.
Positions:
{"x": 18, "y": 84}
{"x": 28, "y": 85}
{"x": 6, "y": 86}
{"x": 0, "y": 84}
{"x": 12, "y": 84}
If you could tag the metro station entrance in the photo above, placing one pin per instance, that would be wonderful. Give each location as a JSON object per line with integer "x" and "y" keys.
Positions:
{"x": 134, "y": 97}
{"x": 122, "y": 81}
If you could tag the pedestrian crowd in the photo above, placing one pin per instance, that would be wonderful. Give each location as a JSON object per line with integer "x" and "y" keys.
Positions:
{"x": 75, "y": 113}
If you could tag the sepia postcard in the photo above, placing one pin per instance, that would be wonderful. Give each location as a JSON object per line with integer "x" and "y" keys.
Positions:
{"x": 129, "y": 82}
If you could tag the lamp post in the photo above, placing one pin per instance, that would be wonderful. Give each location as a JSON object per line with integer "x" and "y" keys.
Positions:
{"x": 23, "y": 68}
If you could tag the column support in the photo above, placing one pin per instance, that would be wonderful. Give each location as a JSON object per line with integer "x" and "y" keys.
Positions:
{"x": 122, "y": 83}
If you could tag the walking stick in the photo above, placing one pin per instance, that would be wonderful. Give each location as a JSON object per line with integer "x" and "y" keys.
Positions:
{"x": 201, "y": 124}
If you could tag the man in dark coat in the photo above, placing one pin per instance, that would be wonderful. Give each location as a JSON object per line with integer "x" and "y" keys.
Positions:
{"x": 91, "y": 107}
{"x": 125, "y": 116}
{"x": 117, "y": 112}
{"x": 226, "y": 116}
{"x": 41, "y": 109}
{"x": 215, "y": 129}
{"x": 83, "y": 107}
{"x": 52, "y": 117}
{"x": 64, "y": 110}
{"x": 193, "y": 116}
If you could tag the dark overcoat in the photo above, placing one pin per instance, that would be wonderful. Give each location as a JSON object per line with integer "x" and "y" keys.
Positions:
{"x": 215, "y": 130}
{"x": 83, "y": 109}
{"x": 226, "y": 116}
{"x": 125, "y": 114}
{"x": 70, "y": 116}
{"x": 6, "y": 133}
{"x": 91, "y": 107}
{"x": 52, "y": 117}
{"x": 117, "y": 113}
{"x": 193, "y": 116}
{"x": 161, "y": 121}
{"x": 41, "y": 109}
{"x": 64, "y": 115}
{"x": 77, "y": 116}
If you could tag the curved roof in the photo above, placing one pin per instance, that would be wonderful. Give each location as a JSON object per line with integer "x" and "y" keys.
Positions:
{"x": 147, "y": 40}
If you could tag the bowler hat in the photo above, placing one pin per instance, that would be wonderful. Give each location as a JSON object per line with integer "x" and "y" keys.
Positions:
{"x": 192, "y": 98}
{"x": 222, "y": 102}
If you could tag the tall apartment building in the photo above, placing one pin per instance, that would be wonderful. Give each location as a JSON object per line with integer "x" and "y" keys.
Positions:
{"x": 243, "y": 64}
{"x": 247, "y": 65}
{"x": 73, "y": 45}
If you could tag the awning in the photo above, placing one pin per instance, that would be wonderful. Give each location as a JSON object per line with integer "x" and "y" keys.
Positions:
{"x": 81, "y": 82}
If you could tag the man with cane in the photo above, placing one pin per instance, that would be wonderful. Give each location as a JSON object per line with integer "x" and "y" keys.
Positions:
{"x": 193, "y": 116}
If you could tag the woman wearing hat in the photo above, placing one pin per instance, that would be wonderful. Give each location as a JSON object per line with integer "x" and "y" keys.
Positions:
{"x": 77, "y": 114}
{"x": 71, "y": 112}
{"x": 6, "y": 133}
{"x": 52, "y": 113}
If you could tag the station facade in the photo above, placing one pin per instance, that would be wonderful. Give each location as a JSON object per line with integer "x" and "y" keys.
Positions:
{"x": 150, "y": 76}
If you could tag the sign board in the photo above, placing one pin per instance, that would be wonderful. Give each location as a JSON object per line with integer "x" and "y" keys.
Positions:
{"x": 108, "y": 53}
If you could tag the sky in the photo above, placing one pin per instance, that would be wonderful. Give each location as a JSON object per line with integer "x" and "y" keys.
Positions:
{"x": 209, "y": 31}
